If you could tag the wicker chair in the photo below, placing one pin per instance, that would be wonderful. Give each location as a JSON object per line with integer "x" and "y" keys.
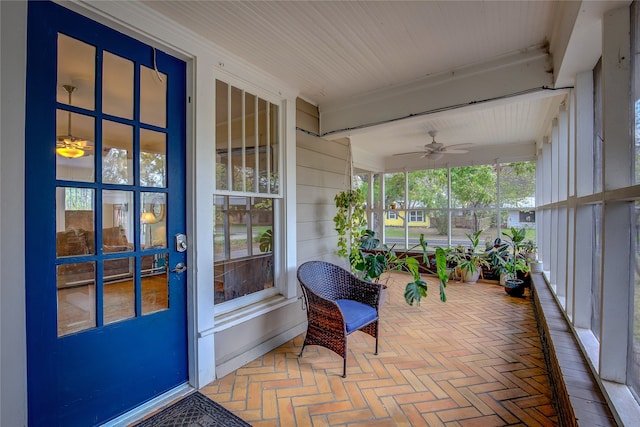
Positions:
{"x": 338, "y": 303}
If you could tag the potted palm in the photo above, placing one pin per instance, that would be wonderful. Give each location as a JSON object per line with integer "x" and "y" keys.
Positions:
{"x": 469, "y": 260}
{"x": 514, "y": 263}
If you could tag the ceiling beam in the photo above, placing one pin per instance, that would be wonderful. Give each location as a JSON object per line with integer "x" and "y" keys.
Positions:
{"x": 576, "y": 41}
{"x": 508, "y": 76}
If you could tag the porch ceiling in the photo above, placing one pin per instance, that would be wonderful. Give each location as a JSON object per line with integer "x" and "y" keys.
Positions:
{"x": 385, "y": 72}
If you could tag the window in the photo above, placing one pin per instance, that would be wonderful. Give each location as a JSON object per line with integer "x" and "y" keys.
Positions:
{"x": 247, "y": 192}
{"x": 474, "y": 199}
{"x": 416, "y": 216}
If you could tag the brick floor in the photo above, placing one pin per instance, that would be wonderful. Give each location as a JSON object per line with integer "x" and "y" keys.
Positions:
{"x": 475, "y": 360}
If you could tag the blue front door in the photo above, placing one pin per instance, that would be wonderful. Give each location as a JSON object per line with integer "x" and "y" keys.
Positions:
{"x": 105, "y": 203}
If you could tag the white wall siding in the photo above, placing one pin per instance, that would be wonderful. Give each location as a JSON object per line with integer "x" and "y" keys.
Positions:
{"x": 322, "y": 172}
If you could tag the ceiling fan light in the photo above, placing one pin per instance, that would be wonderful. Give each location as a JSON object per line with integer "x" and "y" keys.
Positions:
{"x": 70, "y": 152}
{"x": 435, "y": 156}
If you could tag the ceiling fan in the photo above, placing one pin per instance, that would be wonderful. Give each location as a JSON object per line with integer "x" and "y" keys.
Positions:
{"x": 436, "y": 150}
{"x": 68, "y": 145}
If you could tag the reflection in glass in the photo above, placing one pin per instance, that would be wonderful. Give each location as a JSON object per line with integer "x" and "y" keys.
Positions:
{"x": 274, "y": 143}
{"x": 117, "y": 224}
{"x": 242, "y": 267}
{"x": 251, "y": 142}
{"x": 153, "y": 158}
{"x": 118, "y": 289}
{"x": 222, "y": 135}
{"x": 74, "y": 146}
{"x": 237, "y": 166}
{"x": 264, "y": 160}
{"x": 221, "y": 229}
{"x": 117, "y": 149}
{"x": 76, "y": 67}
{"x": 155, "y": 283}
{"x": 76, "y": 296}
{"x": 152, "y": 216}
{"x": 153, "y": 97}
{"x": 74, "y": 221}
{"x": 117, "y": 86}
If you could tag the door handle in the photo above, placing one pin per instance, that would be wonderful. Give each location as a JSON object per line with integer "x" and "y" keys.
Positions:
{"x": 180, "y": 268}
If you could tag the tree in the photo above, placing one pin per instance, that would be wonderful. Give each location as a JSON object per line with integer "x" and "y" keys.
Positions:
{"x": 517, "y": 183}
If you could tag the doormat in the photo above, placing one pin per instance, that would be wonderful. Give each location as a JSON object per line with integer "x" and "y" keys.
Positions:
{"x": 195, "y": 410}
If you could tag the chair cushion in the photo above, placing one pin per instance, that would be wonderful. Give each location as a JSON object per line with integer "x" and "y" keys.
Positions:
{"x": 356, "y": 314}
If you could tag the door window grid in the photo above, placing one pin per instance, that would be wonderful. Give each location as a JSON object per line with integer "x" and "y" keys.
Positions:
{"x": 104, "y": 289}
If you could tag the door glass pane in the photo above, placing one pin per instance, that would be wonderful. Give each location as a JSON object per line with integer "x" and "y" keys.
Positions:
{"x": 153, "y": 158}
{"x": 76, "y": 68}
{"x": 74, "y": 146}
{"x": 74, "y": 221}
{"x": 117, "y": 86}
{"x": 118, "y": 289}
{"x": 155, "y": 283}
{"x": 222, "y": 135}
{"x": 153, "y": 220}
{"x": 153, "y": 97}
{"x": 76, "y": 297}
{"x": 117, "y": 153}
{"x": 117, "y": 224}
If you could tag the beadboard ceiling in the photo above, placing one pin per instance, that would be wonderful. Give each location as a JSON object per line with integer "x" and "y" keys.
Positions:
{"x": 338, "y": 53}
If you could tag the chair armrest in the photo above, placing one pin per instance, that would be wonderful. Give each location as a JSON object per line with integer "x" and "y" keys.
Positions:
{"x": 365, "y": 292}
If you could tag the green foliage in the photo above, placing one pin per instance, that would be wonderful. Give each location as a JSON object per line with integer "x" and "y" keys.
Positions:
{"x": 374, "y": 259}
{"x": 514, "y": 261}
{"x": 471, "y": 187}
{"x": 350, "y": 220}
{"x": 266, "y": 241}
{"x": 469, "y": 259}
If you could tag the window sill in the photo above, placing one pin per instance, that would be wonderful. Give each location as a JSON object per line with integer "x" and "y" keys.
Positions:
{"x": 243, "y": 314}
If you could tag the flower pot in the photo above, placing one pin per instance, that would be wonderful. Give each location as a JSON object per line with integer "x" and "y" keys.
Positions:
{"x": 469, "y": 277}
{"x": 514, "y": 287}
{"x": 536, "y": 266}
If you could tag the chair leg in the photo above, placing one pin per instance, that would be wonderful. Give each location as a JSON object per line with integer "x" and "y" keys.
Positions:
{"x": 344, "y": 368}
{"x": 303, "y": 345}
{"x": 376, "y": 353}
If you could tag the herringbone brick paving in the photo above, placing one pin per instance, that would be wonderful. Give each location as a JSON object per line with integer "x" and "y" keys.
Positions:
{"x": 475, "y": 360}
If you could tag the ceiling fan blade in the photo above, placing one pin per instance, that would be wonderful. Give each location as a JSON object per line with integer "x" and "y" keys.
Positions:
{"x": 454, "y": 151}
{"x": 410, "y": 152}
{"x": 457, "y": 146}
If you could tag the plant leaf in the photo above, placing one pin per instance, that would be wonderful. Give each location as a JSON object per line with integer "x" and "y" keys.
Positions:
{"x": 414, "y": 291}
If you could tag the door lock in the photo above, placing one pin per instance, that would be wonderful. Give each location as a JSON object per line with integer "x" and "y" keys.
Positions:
{"x": 181, "y": 242}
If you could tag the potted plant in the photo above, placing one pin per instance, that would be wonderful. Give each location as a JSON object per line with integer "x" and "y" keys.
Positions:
{"x": 497, "y": 252}
{"x": 469, "y": 260}
{"x": 530, "y": 250}
{"x": 375, "y": 258}
{"x": 350, "y": 220}
{"x": 514, "y": 263}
